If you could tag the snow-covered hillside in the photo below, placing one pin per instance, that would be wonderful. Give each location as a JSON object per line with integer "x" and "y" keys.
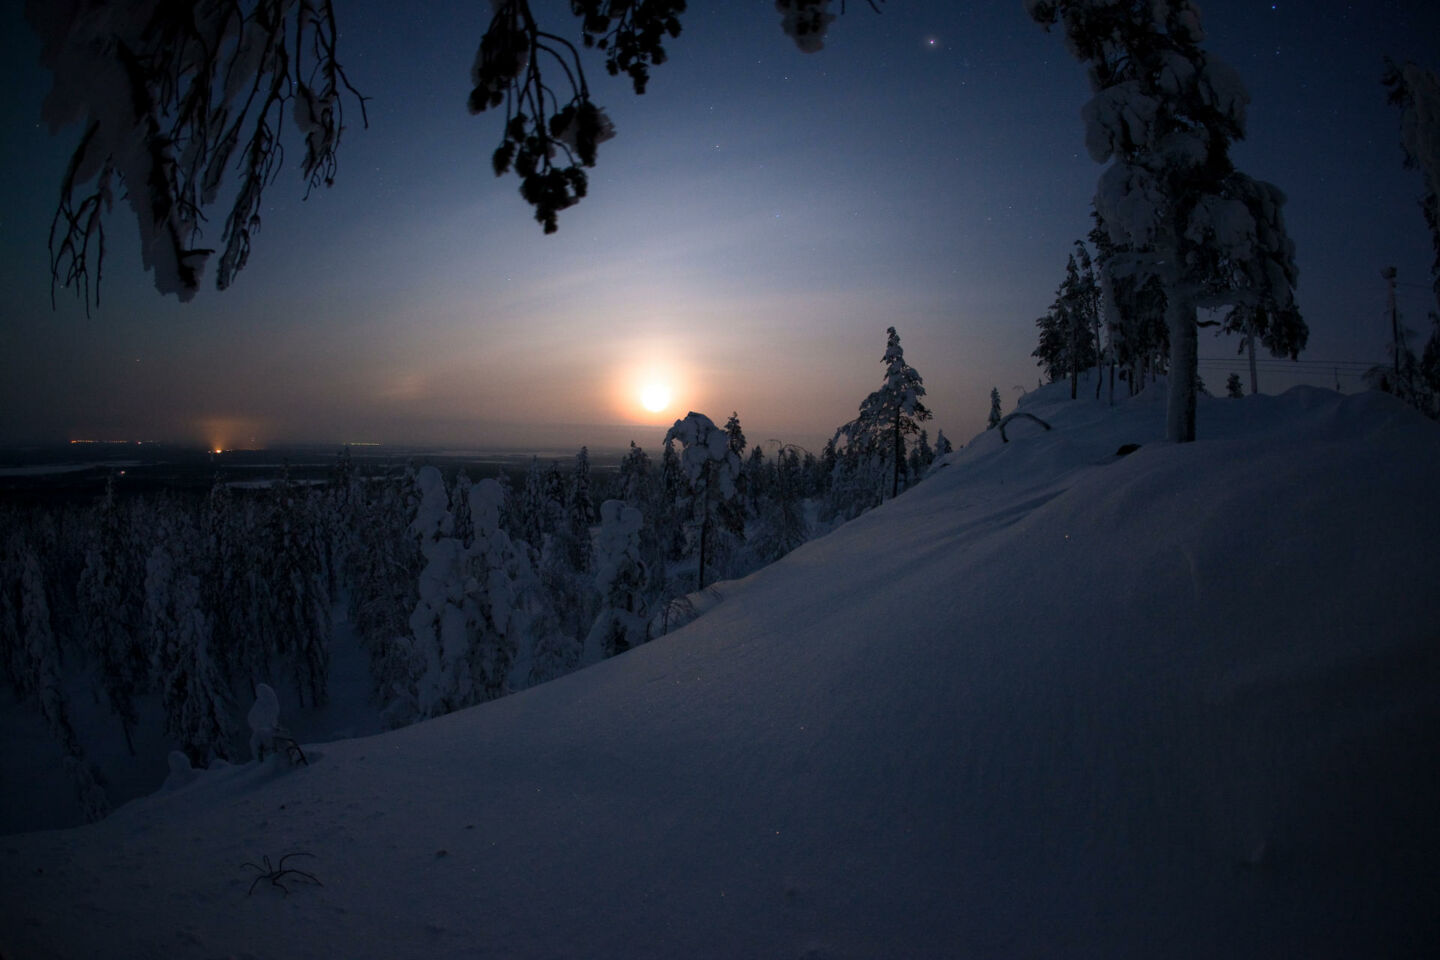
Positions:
{"x": 1053, "y": 702}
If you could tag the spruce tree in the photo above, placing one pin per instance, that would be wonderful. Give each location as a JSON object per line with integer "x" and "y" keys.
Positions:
{"x": 994, "y": 419}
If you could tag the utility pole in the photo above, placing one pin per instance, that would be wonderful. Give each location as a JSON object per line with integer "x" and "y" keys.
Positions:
{"x": 1250, "y": 346}
{"x": 1389, "y": 274}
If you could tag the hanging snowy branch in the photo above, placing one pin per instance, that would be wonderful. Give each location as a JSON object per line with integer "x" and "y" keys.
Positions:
{"x": 175, "y": 98}
{"x": 552, "y": 129}
{"x": 1416, "y": 92}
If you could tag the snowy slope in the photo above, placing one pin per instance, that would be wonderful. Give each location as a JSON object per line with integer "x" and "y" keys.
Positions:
{"x": 1050, "y": 703}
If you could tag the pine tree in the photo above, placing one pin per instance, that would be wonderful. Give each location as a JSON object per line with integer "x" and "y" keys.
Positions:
{"x": 634, "y": 477}
{"x": 579, "y": 515}
{"x": 942, "y": 445}
{"x": 1067, "y": 339}
{"x": 712, "y": 467}
{"x": 1134, "y": 307}
{"x": 1232, "y": 387}
{"x": 994, "y": 419}
{"x": 891, "y": 413}
{"x": 530, "y": 510}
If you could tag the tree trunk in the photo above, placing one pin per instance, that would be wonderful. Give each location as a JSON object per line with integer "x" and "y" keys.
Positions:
{"x": 704, "y": 528}
{"x": 895, "y": 484}
{"x": 1184, "y": 359}
{"x": 1099, "y": 358}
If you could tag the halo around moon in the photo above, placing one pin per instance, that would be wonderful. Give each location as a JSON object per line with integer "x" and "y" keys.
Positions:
{"x": 655, "y": 396}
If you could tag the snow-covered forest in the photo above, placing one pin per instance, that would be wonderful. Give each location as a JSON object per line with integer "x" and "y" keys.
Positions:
{"x": 168, "y": 612}
{"x": 1007, "y": 713}
{"x": 1136, "y": 671}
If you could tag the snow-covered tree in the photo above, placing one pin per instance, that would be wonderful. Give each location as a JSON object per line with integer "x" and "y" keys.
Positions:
{"x": 437, "y": 623}
{"x": 1416, "y": 92}
{"x": 230, "y": 581}
{"x": 193, "y": 688}
{"x": 495, "y": 595}
{"x": 640, "y": 488}
{"x": 469, "y": 619}
{"x": 579, "y": 514}
{"x": 712, "y": 468}
{"x": 383, "y": 594}
{"x": 1134, "y": 309}
{"x": 1233, "y": 390}
{"x": 292, "y": 604}
{"x": 42, "y": 677}
{"x": 942, "y": 445}
{"x": 994, "y": 419}
{"x": 674, "y": 490}
{"x": 464, "y": 527}
{"x": 180, "y": 99}
{"x": 530, "y": 514}
{"x": 174, "y": 98}
{"x": 781, "y": 525}
{"x": 621, "y": 581}
{"x": 890, "y": 414}
{"x": 108, "y": 599}
{"x": 1166, "y": 112}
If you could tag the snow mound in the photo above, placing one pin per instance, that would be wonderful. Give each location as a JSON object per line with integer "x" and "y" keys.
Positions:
{"x": 1051, "y": 702}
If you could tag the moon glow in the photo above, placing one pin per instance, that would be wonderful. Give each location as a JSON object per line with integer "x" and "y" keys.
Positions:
{"x": 655, "y": 397}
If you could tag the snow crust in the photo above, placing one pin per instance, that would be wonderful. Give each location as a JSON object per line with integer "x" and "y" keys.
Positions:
{"x": 1051, "y": 702}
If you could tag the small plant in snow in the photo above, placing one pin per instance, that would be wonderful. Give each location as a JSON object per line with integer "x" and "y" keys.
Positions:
{"x": 278, "y": 872}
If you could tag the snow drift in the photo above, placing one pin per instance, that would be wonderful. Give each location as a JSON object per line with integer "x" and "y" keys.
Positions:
{"x": 1051, "y": 702}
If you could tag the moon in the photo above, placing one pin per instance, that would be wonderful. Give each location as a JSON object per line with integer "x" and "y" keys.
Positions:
{"x": 655, "y": 397}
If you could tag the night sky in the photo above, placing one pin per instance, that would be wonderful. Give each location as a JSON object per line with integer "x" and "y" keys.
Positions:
{"x": 762, "y": 216}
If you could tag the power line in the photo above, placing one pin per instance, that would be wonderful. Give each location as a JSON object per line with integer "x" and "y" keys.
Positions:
{"x": 1276, "y": 363}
